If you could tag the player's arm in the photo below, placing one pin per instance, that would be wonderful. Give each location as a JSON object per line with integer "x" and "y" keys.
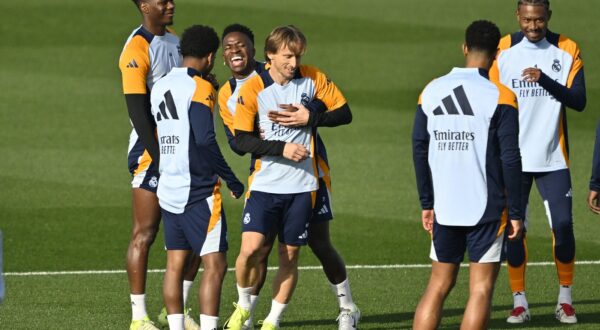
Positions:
{"x": 510, "y": 155}
{"x": 201, "y": 122}
{"x": 573, "y": 97}
{"x": 594, "y": 195}
{"x": 227, "y": 118}
{"x": 138, "y": 107}
{"x": 420, "y": 144}
{"x": 136, "y": 93}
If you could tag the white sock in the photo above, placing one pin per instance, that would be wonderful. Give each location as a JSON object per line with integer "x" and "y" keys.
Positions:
{"x": 138, "y": 306}
{"x": 344, "y": 295}
{"x": 208, "y": 322}
{"x": 175, "y": 321}
{"x": 564, "y": 295}
{"x": 244, "y": 297}
{"x": 186, "y": 289}
{"x": 519, "y": 299}
{"x": 277, "y": 310}
{"x": 250, "y": 321}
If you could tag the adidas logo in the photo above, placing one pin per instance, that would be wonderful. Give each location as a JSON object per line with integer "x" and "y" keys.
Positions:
{"x": 448, "y": 102}
{"x": 132, "y": 64}
{"x": 323, "y": 210}
{"x": 240, "y": 100}
{"x": 569, "y": 193}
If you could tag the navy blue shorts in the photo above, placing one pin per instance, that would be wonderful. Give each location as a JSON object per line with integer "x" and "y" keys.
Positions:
{"x": 143, "y": 170}
{"x": 485, "y": 242}
{"x": 202, "y": 228}
{"x": 322, "y": 210}
{"x": 286, "y": 214}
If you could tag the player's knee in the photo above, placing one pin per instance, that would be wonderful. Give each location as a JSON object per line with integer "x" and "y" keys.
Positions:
{"x": 482, "y": 290}
{"x": 288, "y": 255}
{"x": 321, "y": 248}
{"x": 143, "y": 237}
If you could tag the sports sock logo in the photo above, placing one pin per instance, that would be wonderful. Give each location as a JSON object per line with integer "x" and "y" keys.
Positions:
{"x": 463, "y": 103}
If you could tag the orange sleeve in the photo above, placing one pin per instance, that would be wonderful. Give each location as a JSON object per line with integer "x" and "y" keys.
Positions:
{"x": 506, "y": 96}
{"x": 205, "y": 93}
{"x": 325, "y": 89}
{"x": 503, "y": 45}
{"x": 570, "y": 47}
{"x": 134, "y": 64}
{"x": 224, "y": 95}
{"x": 247, "y": 105}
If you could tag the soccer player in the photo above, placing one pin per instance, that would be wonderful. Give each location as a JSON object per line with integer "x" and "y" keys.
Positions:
{"x": 238, "y": 54}
{"x": 545, "y": 71}
{"x": 149, "y": 53}
{"x": 594, "y": 195}
{"x": 283, "y": 186}
{"x": 468, "y": 168}
{"x": 191, "y": 162}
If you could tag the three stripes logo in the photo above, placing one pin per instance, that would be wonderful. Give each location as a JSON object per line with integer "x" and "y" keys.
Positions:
{"x": 167, "y": 105}
{"x": 463, "y": 103}
{"x": 132, "y": 65}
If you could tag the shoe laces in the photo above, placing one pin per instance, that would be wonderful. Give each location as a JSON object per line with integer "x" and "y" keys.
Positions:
{"x": 568, "y": 309}
{"x": 517, "y": 311}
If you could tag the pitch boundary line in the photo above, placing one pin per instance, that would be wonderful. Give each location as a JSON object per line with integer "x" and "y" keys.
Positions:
{"x": 394, "y": 266}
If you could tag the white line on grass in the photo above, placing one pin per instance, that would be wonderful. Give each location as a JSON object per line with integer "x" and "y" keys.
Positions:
{"x": 398, "y": 266}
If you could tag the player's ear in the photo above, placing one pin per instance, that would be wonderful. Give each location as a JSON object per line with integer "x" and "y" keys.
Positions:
{"x": 465, "y": 49}
{"x": 144, "y": 7}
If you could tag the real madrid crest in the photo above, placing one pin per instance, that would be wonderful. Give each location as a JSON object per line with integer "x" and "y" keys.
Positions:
{"x": 556, "y": 67}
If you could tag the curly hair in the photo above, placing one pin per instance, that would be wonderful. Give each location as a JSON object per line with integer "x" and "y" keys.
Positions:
{"x": 199, "y": 41}
{"x": 483, "y": 36}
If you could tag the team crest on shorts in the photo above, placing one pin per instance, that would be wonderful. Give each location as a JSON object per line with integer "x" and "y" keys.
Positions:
{"x": 556, "y": 67}
{"x": 246, "y": 218}
{"x": 153, "y": 182}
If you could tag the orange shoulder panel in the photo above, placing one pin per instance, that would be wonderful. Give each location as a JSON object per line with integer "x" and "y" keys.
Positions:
{"x": 506, "y": 96}
{"x": 205, "y": 93}
{"x": 503, "y": 45}
{"x": 325, "y": 89}
{"x": 247, "y": 105}
{"x": 134, "y": 64}
{"x": 571, "y": 48}
{"x": 224, "y": 95}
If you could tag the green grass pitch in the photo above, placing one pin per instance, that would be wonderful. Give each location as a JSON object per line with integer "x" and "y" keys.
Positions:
{"x": 64, "y": 185}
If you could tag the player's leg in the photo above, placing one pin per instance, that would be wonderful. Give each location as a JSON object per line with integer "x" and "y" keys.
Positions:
{"x": 190, "y": 270}
{"x": 448, "y": 246}
{"x": 260, "y": 212}
{"x": 215, "y": 268}
{"x": 146, "y": 220}
{"x": 516, "y": 253}
{"x": 482, "y": 278}
{"x": 292, "y": 235}
{"x": 555, "y": 188}
{"x": 178, "y": 248}
{"x": 172, "y": 291}
{"x": 261, "y": 276}
{"x": 486, "y": 244}
{"x": 429, "y": 310}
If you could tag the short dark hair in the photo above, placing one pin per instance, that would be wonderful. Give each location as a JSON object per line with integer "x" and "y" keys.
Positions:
{"x": 483, "y": 36}
{"x": 136, "y": 3}
{"x": 199, "y": 41}
{"x": 235, "y": 27}
{"x": 545, "y": 3}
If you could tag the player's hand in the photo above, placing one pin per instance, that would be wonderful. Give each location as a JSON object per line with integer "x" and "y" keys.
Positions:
{"x": 295, "y": 115}
{"x": 427, "y": 219}
{"x": 295, "y": 152}
{"x": 531, "y": 74}
{"x": 515, "y": 231}
{"x": 593, "y": 201}
{"x": 236, "y": 189}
